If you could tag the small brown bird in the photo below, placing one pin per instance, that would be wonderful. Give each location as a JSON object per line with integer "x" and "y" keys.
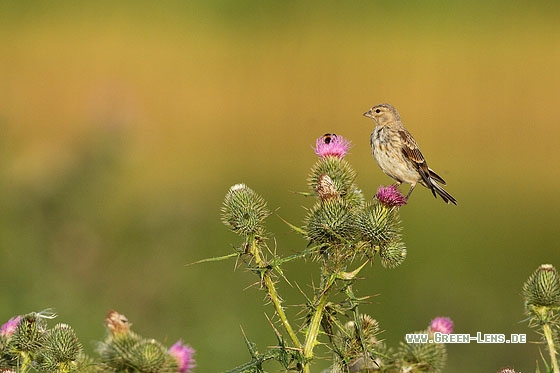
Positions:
{"x": 398, "y": 154}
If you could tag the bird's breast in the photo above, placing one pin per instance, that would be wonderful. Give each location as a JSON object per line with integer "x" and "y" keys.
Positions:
{"x": 381, "y": 136}
{"x": 388, "y": 154}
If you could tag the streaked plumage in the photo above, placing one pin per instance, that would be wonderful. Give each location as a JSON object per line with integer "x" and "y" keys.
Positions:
{"x": 398, "y": 154}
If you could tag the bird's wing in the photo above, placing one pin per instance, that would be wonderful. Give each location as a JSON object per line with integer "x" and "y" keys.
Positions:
{"x": 411, "y": 151}
{"x": 410, "y": 148}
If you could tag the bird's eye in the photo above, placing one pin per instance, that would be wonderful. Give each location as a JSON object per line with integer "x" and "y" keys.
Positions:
{"x": 378, "y": 111}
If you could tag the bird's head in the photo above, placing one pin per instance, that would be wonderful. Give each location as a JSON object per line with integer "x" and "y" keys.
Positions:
{"x": 383, "y": 114}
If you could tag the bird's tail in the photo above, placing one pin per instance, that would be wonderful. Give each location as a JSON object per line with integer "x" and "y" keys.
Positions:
{"x": 436, "y": 188}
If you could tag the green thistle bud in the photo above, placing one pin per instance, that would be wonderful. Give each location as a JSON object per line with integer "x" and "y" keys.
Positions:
{"x": 151, "y": 356}
{"x": 60, "y": 350}
{"x": 341, "y": 175}
{"x": 422, "y": 357}
{"x": 244, "y": 211}
{"x": 30, "y": 331}
{"x": 125, "y": 351}
{"x": 393, "y": 254}
{"x": 356, "y": 198}
{"x": 85, "y": 364}
{"x": 543, "y": 287}
{"x": 115, "y": 350}
{"x": 332, "y": 221}
{"x": 378, "y": 223}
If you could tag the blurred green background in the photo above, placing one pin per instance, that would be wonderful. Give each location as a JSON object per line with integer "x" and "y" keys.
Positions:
{"x": 123, "y": 124}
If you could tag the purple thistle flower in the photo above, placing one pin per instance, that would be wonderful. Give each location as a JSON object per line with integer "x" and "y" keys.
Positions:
{"x": 10, "y": 326}
{"x": 444, "y": 325}
{"x": 390, "y": 196}
{"x": 331, "y": 145}
{"x": 184, "y": 355}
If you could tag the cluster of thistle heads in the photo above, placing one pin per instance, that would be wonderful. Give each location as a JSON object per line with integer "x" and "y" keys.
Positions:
{"x": 343, "y": 225}
{"x": 26, "y": 343}
{"x": 342, "y": 222}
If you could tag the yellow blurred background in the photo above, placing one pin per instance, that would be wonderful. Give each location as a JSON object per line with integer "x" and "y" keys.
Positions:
{"x": 124, "y": 124}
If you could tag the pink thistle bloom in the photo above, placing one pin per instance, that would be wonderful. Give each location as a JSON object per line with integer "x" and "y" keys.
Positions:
{"x": 390, "y": 196}
{"x": 184, "y": 355}
{"x": 10, "y": 326}
{"x": 444, "y": 325}
{"x": 331, "y": 145}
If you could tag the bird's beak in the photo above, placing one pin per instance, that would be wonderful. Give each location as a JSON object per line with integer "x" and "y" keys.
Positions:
{"x": 368, "y": 114}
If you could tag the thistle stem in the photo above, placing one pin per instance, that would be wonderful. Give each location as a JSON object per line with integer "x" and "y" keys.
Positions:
{"x": 26, "y": 364}
{"x": 315, "y": 324}
{"x": 272, "y": 292}
{"x": 551, "y": 349}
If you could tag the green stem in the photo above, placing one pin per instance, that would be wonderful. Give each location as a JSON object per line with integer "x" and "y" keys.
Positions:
{"x": 551, "y": 349}
{"x": 315, "y": 324}
{"x": 26, "y": 364}
{"x": 272, "y": 293}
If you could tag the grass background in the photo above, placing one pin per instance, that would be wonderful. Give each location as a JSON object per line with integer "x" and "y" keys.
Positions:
{"x": 124, "y": 124}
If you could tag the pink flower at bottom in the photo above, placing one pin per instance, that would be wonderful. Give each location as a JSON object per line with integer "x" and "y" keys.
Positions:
{"x": 184, "y": 355}
{"x": 390, "y": 196}
{"x": 444, "y": 325}
{"x": 10, "y": 326}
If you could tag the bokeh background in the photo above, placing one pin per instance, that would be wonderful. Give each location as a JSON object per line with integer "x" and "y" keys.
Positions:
{"x": 123, "y": 124}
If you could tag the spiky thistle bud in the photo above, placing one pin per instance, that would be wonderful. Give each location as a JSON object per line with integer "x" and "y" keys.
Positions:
{"x": 379, "y": 224}
{"x": 244, "y": 211}
{"x": 338, "y": 170}
{"x": 542, "y": 289}
{"x": 422, "y": 357}
{"x": 148, "y": 355}
{"x": 115, "y": 350}
{"x": 392, "y": 254}
{"x": 126, "y": 351}
{"x": 61, "y": 349}
{"x": 332, "y": 221}
{"x": 331, "y": 150}
{"x": 30, "y": 331}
